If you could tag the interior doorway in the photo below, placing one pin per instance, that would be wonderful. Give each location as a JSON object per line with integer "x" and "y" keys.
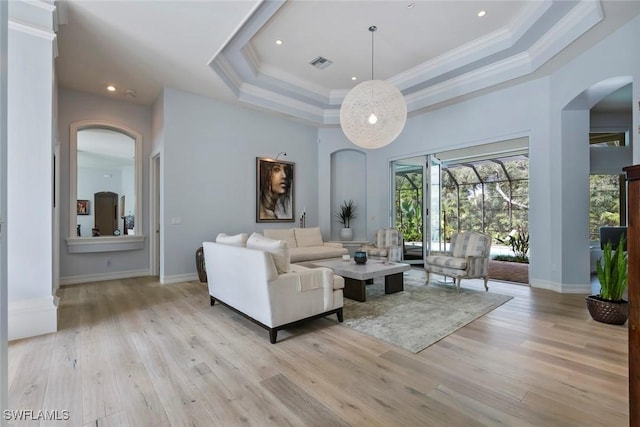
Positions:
{"x": 155, "y": 215}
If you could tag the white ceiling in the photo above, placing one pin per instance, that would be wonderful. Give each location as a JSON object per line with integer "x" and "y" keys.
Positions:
{"x": 435, "y": 52}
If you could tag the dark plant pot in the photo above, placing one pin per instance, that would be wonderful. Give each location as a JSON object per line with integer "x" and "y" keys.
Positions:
{"x": 360, "y": 257}
{"x": 202, "y": 270}
{"x": 605, "y": 311}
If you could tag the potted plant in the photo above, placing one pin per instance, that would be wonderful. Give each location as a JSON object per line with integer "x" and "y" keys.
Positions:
{"x": 345, "y": 214}
{"x": 608, "y": 306}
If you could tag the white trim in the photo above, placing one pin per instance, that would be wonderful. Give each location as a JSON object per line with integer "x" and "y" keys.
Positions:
{"x": 100, "y": 277}
{"x": 29, "y": 29}
{"x": 32, "y": 317}
{"x": 77, "y": 245}
{"x": 178, "y": 278}
{"x": 561, "y": 287}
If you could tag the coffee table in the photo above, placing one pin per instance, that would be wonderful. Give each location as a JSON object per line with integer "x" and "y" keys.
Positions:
{"x": 357, "y": 276}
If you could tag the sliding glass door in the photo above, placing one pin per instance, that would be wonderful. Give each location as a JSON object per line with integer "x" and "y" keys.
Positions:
{"x": 408, "y": 205}
{"x": 434, "y": 224}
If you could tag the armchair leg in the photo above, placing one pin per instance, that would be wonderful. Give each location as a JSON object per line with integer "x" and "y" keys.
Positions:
{"x": 457, "y": 282}
{"x": 273, "y": 334}
{"x": 427, "y": 282}
{"x": 486, "y": 288}
{"x": 340, "y": 315}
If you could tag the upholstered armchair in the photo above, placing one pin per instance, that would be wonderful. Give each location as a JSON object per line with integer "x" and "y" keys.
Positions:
{"x": 388, "y": 244}
{"x": 467, "y": 257}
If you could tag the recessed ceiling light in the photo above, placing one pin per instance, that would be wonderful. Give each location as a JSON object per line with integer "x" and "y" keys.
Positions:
{"x": 354, "y": 78}
{"x": 482, "y": 13}
{"x": 111, "y": 88}
{"x": 278, "y": 42}
{"x": 410, "y": 5}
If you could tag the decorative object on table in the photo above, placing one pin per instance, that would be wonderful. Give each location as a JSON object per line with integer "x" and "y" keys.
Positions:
{"x": 360, "y": 257}
{"x": 609, "y": 306}
{"x": 345, "y": 214}
{"x": 303, "y": 219}
{"x": 82, "y": 207}
{"x": 346, "y": 258}
{"x": 274, "y": 190}
{"x": 129, "y": 223}
{"x": 202, "y": 271}
{"x": 374, "y": 112}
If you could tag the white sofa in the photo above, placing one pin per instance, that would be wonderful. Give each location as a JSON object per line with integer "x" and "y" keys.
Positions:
{"x": 306, "y": 244}
{"x": 247, "y": 280}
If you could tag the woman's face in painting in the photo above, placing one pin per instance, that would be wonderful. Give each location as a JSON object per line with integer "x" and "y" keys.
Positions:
{"x": 278, "y": 179}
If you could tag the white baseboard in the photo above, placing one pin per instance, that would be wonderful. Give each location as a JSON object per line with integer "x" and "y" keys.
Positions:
{"x": 177, "y": 278}
{"x": 32, "y": 317}
{"x": 560, "y": 287}
{"x": 72, "y": 280}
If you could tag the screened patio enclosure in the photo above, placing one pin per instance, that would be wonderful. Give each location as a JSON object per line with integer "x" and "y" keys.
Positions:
{"x": 436, "y": 197}
{"x": 490, "y": 196}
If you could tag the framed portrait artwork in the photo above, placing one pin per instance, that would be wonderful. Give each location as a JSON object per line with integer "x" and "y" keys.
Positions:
{"x": 82, "y": 207}
{"x": 274, "y": 190}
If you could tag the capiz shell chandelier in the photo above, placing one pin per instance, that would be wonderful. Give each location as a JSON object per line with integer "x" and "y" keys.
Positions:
{"x": 374, "y": 112}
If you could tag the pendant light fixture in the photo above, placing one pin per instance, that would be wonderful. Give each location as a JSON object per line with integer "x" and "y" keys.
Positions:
{"x": 374, "y": 112}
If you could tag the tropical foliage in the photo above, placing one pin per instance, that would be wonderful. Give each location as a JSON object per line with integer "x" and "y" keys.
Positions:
{"x": 491, "y": 197}
{"x": 612, "y": 271}
{"x": 604, "y": 193}
{"x": 519, "y": 244}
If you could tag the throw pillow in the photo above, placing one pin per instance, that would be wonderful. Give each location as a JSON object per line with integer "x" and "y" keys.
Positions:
{"x": 235, "y": 239}
{"x": 277, "y": 248}
{"x": 306, "y": 237}
{"x": 285, "y": 234}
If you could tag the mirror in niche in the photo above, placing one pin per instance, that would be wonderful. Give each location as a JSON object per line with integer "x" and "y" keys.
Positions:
{"x": 106, "y": 175}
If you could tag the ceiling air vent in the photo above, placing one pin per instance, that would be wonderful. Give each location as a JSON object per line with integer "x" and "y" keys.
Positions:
{"x": 320, "y": 62}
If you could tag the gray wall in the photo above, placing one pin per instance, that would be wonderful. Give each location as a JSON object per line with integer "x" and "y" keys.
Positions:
{"x": 208, "y": 155}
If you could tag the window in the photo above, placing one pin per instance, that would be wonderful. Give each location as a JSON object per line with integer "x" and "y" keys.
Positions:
{"x": 607, "y": 203}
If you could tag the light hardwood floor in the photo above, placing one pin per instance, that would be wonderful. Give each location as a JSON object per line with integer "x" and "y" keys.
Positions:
{"x": 136, "y": 353}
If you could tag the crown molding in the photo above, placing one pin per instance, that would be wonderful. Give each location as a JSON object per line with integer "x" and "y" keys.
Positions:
{"x": 540, "y": 32}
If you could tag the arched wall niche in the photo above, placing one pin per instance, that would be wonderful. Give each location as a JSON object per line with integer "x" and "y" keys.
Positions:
{"x": 349, "y": 182}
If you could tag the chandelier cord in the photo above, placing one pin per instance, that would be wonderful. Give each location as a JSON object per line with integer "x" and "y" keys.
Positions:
{"x": 372, "y": 29}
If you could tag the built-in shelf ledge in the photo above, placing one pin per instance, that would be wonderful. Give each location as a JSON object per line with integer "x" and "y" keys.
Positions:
{"x": 78, "y": 245}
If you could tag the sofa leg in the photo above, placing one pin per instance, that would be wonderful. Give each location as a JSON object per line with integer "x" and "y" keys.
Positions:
{"x": 486, "y": 288}
{"x": 458, "y": 284}
{"x": 427, "y": 282}
{"x": 273, "y": 335}
{"x": 340, "y": 316}
{"x": 212, "y": 300}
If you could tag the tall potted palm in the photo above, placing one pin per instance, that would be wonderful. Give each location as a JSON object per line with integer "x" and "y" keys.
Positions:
{"x": 345, "y": 214}
{"x": 609, "y": 306}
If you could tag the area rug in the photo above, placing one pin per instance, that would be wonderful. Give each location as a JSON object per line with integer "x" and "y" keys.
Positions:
{"x": 420, "y": 315}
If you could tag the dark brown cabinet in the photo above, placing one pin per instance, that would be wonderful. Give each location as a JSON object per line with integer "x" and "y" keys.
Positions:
{"x": 633, "y": 253}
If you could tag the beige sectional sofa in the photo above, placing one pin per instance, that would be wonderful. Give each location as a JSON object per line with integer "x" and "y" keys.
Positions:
{"x": 306, "y": 244}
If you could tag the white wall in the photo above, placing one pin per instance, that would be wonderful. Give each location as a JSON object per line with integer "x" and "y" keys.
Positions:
{"x": 81, "y": 267}
{"x": 558, "y": 164}
{"x": 29, "y": 233}
{"x": 209, "y": 152}
{"x": 4, "y": 337}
